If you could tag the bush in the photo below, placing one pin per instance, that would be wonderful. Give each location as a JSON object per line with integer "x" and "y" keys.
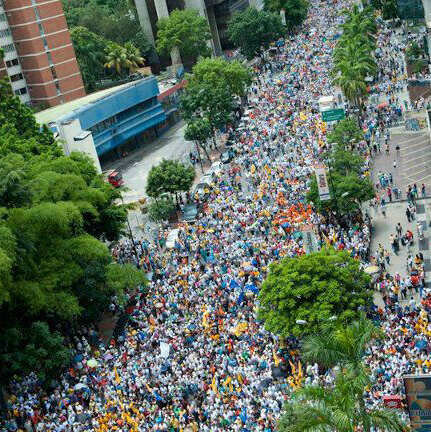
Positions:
{"x": 161, "y": 210}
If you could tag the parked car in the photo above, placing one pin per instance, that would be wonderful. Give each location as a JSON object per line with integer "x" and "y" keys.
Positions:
{"x": 202, "y": 189}
{"x": 189, "y": 213}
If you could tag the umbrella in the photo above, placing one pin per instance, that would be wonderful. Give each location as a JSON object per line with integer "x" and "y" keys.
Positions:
{"x": 420, "y": 344}
{"x": 371, "y": 269}
{"x": 93, "y": 363}
{"x": 108, "y": 356}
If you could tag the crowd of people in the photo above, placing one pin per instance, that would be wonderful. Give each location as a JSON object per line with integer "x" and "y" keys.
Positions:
{"x": 194, "y": 357}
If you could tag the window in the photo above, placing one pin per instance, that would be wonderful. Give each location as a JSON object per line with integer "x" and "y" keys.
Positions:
{"x": 21, "y": 91}
{"x": 11, "y": 63}
{"x": 4, "y": 33}
{"x": 16, "y": 77}
{"x": 103, "y": 125}
{"x": 8, "y": 48}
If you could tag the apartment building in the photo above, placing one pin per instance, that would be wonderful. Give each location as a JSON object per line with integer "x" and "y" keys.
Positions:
{"x": 39, "y": 58}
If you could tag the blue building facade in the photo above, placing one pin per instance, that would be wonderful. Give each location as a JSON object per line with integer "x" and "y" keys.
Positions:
{"x": 121, "y": 116}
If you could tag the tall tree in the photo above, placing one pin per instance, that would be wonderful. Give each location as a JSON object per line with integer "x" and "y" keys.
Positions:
{"x": 345, "y": 347}
{"x": 169, "y": 176}
{"x": 295, "y": 10}
{"x": 199, "y": 131}
{"x": 252, "y": 31}
{"x": 348, "y": 190}
{"x": 216, "y": 71}
{"x": 185, "y": 30}
{"x": 53, "y": 267}
{"x": 116, "y": 58}
{"x": 336, "y": 409}
{"x": 302, "y": 295}
{"x": 211, "y": 101}
{"x": 90, "y": 53}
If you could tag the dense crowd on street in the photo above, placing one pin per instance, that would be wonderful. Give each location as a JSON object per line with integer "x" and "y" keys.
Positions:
{"x": 194, "y": 357}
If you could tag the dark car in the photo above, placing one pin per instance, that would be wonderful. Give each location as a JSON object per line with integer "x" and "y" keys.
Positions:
{"x": 190, "y": 212}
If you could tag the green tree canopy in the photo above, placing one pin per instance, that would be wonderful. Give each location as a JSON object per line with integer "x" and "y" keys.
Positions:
{"x": 347, "y": 191}
{"x": 169, "y": 176}
{"x": 90, "y": 53}
{"x": 252, "y": 31}
{"x": 217, "y": 71}
{"x": 295, "y": 10}
{"x": 185, "y": 30}
{"x": 199, "y": 130}
{"x": 338, "y": 409}
{"x": 319, "y": 288}
{"x": 345, "y": 346}
{"x": 346, "y": 132}
{"x": 211, "y": 101}
{"x": 35, "y": 349}
{"x": 115, "y": 21}
{"x": 161, "y": 209}
{"x": 54, "y": 209}
{"x": 353, "y": 55}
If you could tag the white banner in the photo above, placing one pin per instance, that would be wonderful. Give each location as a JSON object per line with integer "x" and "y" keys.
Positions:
{"x": 322, "y": 184}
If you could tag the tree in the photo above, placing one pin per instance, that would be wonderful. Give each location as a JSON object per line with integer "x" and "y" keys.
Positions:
{"x": 319, "y": 409}
{"x": 161, "y": 209}
{"x": 347, "y": 192}
{"x": 346, "y": 133}
{"x": 295, "y": 10}
{"x": 389, "y": 8}
{"x": 125, "y": 278}
{"x": 169, "y": 176}
{"x": 134, "y": 59}
{"x": 116, "y": 58}
{"x": 36, "y": 349}
{"x": 53, "y": 267}
{"x": 212, "y": 101}
{"x": 90, "y": 53}
{"x": 217, "y": 71}
{"x": 199, "y": 130}
{"x": 353, "y": 59}
{"x": 252, "y": 31}
{"x": 115, "y": 21}
{"x": 345, "y": 346}
{"x": 185, "y": 30}
{"x": 319, "y": 288}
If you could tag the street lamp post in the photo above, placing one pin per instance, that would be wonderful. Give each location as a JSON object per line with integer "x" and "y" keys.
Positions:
{"x": 131, "y": 235}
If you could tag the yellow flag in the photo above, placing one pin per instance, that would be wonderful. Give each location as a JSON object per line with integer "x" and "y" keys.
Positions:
{"x": 117, "y": 377}
{"x": 214, "y": 384}
{"x": 276, "y": 359}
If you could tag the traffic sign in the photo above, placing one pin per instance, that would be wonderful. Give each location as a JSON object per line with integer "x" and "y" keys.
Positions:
{"x": 333, "y": 115}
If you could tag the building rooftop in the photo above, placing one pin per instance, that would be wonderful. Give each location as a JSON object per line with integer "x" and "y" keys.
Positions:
{"x": 53, "y": 114}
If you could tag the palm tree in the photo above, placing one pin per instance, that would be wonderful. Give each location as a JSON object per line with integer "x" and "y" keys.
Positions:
{"x": 345, "y": 347}
{"x": 116, "y": 57}
{"x": 319, "y": 409}
{"x": 133, "y": 56}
